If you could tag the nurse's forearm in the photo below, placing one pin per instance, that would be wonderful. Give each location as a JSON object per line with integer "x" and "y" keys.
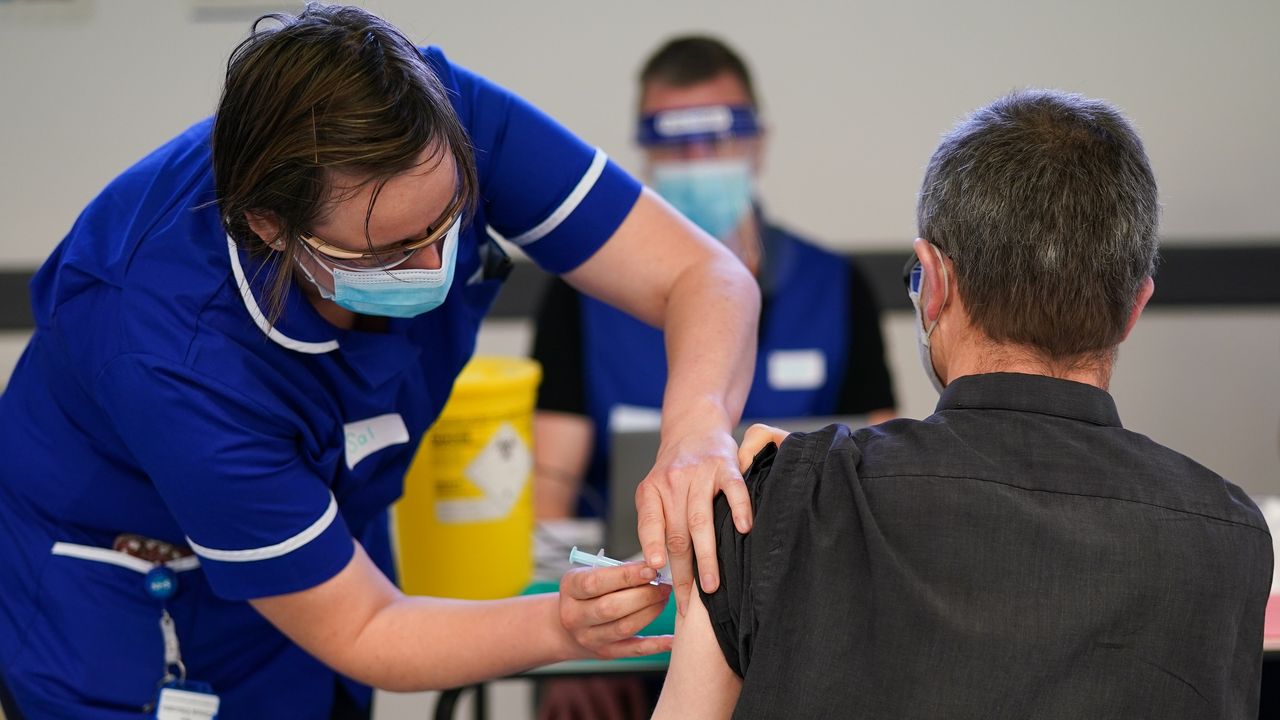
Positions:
{"x": 431, "y": 643}
{"x": 710, "y": 329}
{"x": 661, "y": 269}
{"x": 359, "y": 624}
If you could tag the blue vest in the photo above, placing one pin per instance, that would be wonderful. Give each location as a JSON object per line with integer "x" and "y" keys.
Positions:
{"x": 804, "y": 336}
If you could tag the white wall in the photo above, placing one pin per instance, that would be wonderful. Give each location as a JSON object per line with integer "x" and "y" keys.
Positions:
{"x": 857, "y": 93}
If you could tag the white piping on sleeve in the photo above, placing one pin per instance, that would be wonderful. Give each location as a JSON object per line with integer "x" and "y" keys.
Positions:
{"x": 119, "y": 559}
{"x": 272, "y": 551}
{"x": 567, "y": 207}
{"x": 251, "y": 304}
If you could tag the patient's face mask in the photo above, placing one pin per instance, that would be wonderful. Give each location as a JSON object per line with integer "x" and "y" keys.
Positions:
{"x": 914, "y": 278}
{"x": 715, "y": 194}
{"x": 389, "y": 291}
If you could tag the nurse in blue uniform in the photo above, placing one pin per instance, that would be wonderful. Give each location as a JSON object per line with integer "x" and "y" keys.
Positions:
{"x": 182, "y": 517}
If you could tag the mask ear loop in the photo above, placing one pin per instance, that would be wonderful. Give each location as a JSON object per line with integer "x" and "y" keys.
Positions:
{"x": 946, "y": 293}
{"x": 326, "y": 294}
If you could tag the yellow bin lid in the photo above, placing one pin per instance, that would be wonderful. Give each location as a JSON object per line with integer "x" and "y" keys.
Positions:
{"x": 489, "y": 374}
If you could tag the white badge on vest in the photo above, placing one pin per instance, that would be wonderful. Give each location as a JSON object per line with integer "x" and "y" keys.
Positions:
{"x": 633, "y": 418}
{"x": 368, "y": 436}
{"x": 187, "y": 703}
{"x": 797, "y": 369}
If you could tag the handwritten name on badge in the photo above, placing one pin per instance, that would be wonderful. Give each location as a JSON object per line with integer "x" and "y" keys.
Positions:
{"x": 365, "y": 437}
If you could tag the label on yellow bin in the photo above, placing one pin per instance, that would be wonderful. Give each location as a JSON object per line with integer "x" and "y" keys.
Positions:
{"x": 499, "y": 471}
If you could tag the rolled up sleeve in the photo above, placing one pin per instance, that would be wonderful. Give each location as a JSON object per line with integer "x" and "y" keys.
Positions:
{"x": 780, "y": 583}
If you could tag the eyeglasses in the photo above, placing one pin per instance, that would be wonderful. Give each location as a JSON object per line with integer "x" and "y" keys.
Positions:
{"x": 395, "y": 253}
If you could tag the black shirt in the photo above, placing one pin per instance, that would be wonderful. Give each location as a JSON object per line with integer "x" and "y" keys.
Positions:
{"x": 1017, "y": 554}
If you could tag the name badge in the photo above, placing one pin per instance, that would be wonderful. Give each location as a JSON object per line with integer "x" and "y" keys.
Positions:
{"x": 187, "y": 701}
{"x": 632, "y": 418}
{"x": 368, "y": 436}
{"x": 797, "y": 369}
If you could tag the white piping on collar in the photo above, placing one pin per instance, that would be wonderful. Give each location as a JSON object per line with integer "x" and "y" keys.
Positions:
{"x": 255, "y": 312}
{"x": 567, "y": 207}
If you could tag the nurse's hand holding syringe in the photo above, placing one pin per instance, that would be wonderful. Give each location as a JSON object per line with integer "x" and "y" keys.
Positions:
{"x": 599, "y": 560}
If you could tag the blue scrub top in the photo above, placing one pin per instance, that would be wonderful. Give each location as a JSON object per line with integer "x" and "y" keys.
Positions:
{"x": 154, "y": 398}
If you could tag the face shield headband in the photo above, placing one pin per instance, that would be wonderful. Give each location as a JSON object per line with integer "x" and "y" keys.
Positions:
{"x": 706, "y": 123}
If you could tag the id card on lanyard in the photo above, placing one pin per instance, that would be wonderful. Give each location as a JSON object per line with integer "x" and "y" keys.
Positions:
{"x": 186, "y": 700}
{"x": 178, "y": 698}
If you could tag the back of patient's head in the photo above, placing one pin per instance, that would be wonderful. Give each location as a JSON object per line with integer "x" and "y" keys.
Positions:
{"x": 694, "y": 59}
{"x": 1046, "y": 204}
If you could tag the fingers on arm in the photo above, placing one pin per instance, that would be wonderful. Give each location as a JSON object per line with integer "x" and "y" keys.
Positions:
{"x": 702, "y": 527}
{"x": 663, "y": 529}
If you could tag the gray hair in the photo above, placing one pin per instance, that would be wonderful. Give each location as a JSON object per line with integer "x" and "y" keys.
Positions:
{"x": 1046, "y": 204}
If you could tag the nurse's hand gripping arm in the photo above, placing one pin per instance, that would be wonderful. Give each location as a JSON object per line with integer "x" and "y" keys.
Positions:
{"x": 699, "y": 681}
{"x": 359, "y": 624}
{"x": 665, "y": 271}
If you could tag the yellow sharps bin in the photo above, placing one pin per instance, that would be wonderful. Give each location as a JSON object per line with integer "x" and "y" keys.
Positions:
{"x": 464, "y": 526}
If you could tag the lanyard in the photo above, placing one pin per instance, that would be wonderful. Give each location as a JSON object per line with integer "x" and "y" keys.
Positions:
{"x": 177, "y": 698}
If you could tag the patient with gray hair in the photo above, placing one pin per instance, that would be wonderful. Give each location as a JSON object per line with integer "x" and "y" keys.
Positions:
{"x": 1019, "y": 553}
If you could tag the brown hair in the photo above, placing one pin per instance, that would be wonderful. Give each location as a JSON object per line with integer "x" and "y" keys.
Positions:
{"x": 694, "y": 59}
{"x": 1046, "y": 204}
{"x": 334, "y": 88}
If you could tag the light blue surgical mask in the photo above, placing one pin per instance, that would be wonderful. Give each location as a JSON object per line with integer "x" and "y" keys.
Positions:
{"x": 715, "y": 194}
{"x": 392, "y": 292}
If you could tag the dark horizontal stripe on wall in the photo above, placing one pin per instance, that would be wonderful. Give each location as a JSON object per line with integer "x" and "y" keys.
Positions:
{"x": 1188, "y": 275}
{"x": 15, "y": 301}
{"x": 1202, "y": 275}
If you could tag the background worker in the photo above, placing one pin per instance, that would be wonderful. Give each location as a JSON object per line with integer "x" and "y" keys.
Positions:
{"x": 820, "y": 347}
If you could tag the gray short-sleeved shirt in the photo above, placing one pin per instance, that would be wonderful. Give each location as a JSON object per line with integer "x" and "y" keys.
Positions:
{"x": 1017, "y": 554}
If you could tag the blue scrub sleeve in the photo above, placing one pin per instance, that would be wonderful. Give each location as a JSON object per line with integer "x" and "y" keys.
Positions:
{"x": 233, "y": 475}
{"x": 543, "y": 189}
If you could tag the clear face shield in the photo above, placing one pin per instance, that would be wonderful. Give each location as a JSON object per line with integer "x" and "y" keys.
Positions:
{"x": 698, "y": 163}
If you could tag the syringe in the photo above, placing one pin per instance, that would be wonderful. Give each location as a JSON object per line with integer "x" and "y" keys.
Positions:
{"x": 600, "y": 560}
